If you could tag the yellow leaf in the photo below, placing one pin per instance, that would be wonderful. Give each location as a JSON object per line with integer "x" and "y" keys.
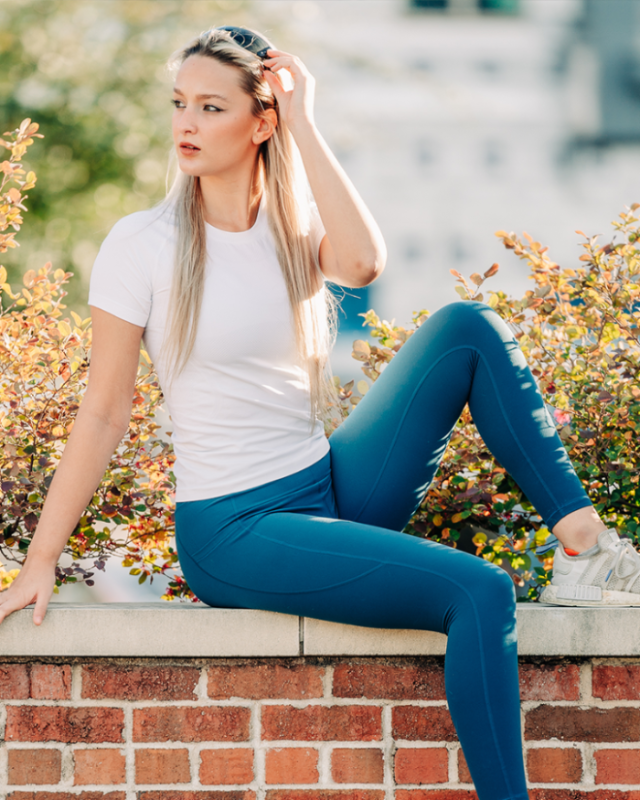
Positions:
{"x": 437, "y": 520}
{"x": 363, "y": 387}
{"x": 29, "y": 278}
{"x": 361, "y": 347}
{"x": 456, "y": 518}
{"x": 64, "y": 328}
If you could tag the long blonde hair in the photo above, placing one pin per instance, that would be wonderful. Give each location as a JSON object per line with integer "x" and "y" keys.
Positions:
{"x": 280, "y": 175}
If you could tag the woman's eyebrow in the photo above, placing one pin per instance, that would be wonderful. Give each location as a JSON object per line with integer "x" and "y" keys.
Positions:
{"x": 202, "y": 96}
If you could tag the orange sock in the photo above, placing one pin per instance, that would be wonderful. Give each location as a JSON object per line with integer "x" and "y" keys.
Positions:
{"x": 570, "y": 552}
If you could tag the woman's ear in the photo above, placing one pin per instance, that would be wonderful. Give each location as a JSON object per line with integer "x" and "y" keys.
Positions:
{"x": 267, "y": 124}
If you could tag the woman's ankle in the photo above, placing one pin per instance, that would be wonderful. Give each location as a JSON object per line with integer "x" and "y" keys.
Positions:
{"x": 580, "y": 529}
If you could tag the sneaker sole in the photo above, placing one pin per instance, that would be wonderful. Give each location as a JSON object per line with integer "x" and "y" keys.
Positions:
{"x": 607, "y": 598}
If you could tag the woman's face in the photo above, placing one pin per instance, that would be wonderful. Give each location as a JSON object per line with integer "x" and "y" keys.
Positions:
{"x": 214, "y": 129}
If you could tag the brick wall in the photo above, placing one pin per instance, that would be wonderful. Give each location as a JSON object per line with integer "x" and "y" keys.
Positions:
{"x": 299, "y": 729}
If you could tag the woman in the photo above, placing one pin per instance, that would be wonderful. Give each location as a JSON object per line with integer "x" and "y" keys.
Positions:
{"x": 225, "y": 282}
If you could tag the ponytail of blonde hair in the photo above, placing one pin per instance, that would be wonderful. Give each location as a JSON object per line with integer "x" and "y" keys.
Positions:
{"x": 280, "y": 175}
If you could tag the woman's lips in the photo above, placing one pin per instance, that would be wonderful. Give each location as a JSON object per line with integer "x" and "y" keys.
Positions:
{"x": 188, "y": 149}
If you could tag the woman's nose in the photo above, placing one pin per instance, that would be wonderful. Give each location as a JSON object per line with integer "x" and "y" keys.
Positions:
{"x": 187, "y": 122}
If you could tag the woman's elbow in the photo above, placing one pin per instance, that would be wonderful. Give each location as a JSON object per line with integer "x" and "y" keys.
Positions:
{"x": 367, "y": 270}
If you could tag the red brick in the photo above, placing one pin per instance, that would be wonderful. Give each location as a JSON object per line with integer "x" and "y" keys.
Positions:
{"x": 322, "y": 723}
{"x": 583, "y": 724}
{"x": 163, "y": 766}
{"x": 51, "y": 682}
{"x": 34, "y": 766}
{"x": 67, "y": 796}
{"x": 464, "y": 776}
{"x": 191, "y": 724}
{"x": 422, "y": 765}
{"x": 549, "y": 682}
{"x": 391, "y": 682}
{"x": 435, "y": 794}
{"x": 325, "y": 794}
{"x": 577, "y": 794}
{"x": 266, "y": 681}
{"x": 554, "y": 765}
{"x": 292, "y": 765}
{"x": 226, "y": 766}
{"x": 617, "y": 766}
{"x": 115, "y": 682}
{"x": 14, "y": 682}
{"x": 99, "y": 765}
{"x": 426, "y": 723}
{"x": 180, "y": 794}
{"x": 616, "y": 682}
{"x": 64, "y": 724}
{"x": 357, "y": 765}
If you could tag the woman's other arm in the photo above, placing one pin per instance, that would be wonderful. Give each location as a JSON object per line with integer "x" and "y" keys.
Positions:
{"x": 353, "y": 252}
{"x": 101, "y": 422}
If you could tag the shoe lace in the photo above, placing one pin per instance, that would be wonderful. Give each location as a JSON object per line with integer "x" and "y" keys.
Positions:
{"x": 624, "y": 547}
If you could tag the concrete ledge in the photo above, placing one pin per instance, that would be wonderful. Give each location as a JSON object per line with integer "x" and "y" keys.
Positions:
{"x": 163, "y": 629}
{"x": 157, "y": 629}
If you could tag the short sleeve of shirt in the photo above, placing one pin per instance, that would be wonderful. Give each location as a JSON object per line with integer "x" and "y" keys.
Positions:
{"x": 316, "y": 230}
{"x": 119, "y": 280}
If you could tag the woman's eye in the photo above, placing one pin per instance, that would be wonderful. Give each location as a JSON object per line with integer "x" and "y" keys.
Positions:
{"x": 180, "y": 104}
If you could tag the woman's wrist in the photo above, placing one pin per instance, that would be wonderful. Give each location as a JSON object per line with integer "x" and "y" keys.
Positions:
{"x": 303, "y": 129}
{"x": 41, "y": 555}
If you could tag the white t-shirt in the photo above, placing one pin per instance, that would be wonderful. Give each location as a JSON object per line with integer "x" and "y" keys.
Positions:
{"x": 241, "y": 407}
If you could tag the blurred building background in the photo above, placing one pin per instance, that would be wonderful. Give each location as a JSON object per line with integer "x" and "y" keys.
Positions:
{"x": 454, "y": 118}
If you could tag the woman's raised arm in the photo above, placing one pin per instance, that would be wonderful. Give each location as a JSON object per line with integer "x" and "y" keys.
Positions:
{"x": 353, "y": 252}
{"x": 100, "y": 424}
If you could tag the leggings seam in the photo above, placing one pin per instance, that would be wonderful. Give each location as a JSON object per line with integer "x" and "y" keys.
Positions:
{"x": 475, "y": 613}
{"x": 410, "y": 403}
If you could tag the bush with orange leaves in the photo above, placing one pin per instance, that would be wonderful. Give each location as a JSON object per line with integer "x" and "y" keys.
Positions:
{"x": 44, "y": 364}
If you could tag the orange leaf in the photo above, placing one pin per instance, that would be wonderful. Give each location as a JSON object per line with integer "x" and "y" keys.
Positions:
{"x": 492, "y": 270}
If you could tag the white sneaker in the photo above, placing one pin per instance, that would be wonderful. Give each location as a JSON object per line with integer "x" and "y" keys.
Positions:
{"x": 608, "y": 574}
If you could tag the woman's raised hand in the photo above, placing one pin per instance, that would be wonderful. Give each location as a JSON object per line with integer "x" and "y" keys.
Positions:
{"x": 296, "y": 104}
{"x": 34, "y": 584}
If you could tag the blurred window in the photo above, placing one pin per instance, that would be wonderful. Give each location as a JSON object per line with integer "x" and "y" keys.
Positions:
{"x": 429, "y": 3}
{"x": 612, "y": 29}
{"x": 499, "y": 6}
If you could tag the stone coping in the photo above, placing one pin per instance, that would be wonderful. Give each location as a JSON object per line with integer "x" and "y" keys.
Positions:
{"x": 161, "y": 629}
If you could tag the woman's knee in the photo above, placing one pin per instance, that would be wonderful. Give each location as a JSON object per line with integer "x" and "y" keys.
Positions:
{"x": 491, "y": 586}
{"x": 470, "y": 322}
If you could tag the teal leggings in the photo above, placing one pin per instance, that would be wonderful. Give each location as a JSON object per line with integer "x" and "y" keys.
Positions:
{"x": 326, "y": 542}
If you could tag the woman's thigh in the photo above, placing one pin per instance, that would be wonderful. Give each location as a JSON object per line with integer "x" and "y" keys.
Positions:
{"x": 385, "y": 454}
{"x": 342, "y": 571}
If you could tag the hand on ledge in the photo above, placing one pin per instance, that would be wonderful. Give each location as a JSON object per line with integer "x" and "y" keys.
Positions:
{"x": 34, "y": 584}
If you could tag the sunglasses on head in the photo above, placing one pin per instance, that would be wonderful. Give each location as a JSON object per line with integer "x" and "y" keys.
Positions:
{"x": 248, "y": 39}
